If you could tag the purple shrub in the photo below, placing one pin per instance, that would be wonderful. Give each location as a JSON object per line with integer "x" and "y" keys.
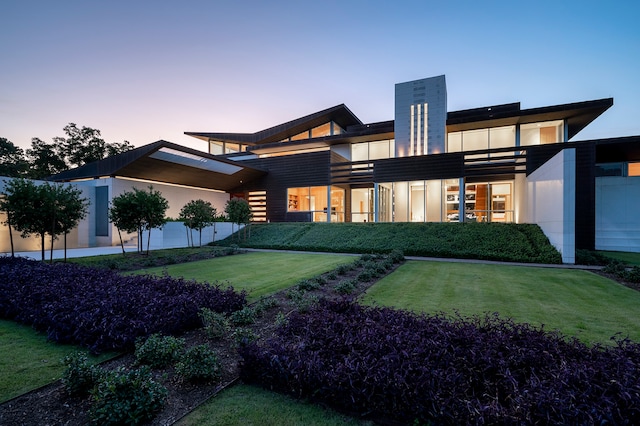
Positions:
{"x": 391, "y": 364}
{"x": 101, "y": 309}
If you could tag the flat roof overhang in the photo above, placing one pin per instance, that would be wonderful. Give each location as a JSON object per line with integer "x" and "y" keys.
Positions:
{"x": 578, "y": 115}
{"x": 167, "y": 162}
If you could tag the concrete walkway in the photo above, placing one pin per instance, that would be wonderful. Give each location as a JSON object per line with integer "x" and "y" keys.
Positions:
{"x": 78, "y": 252}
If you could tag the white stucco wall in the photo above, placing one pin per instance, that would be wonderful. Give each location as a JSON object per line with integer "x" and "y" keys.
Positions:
{"x": 617, "y": 219}
{"x": 85, "y": 234}
{"x": 177, "y": 196}
{"x": 76, "y": 238}
{"x": 551, "y": 201}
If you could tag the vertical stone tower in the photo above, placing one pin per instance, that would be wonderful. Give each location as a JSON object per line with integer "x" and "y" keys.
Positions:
{"x": 421, "y": 117}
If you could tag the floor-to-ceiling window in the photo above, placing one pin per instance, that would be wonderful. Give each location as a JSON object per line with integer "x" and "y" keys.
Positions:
{"x": 362, "y": 205}
{"x": 483, "y": 202}
{"x": 316, "y": 200}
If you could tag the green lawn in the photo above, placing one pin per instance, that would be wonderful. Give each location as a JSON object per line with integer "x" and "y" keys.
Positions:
{"x": 259, "y": 273}
{"x": 28, "y": 360}
{"x": 250, "y": 405}
{"x": 576, "y": 302}
{"x": 632, "y": 259}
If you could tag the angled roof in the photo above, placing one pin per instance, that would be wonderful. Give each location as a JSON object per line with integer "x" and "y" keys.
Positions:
{"x": 167, "y": 162}
{"x": 339, "y": 114}
{"x": 578, "y": 115}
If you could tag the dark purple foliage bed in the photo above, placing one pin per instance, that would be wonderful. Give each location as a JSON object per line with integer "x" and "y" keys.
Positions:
{"x": 101, "y": 309}
{"x": 394, "y": 365}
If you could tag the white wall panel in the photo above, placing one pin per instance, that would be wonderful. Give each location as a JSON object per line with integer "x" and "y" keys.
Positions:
{"x": 617, "y": 213}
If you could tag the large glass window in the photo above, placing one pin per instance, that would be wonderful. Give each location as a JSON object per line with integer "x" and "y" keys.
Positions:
{"x": 362, "y": 204}
{"x": 417, "y": 201}
{"x": 314, "y": 199}
{"x": 320, "y": 131}
{"x": 541, "y": 133}
{"x": 480, "y": 139}
{"x": 337, "y": 204}
{"x": 376, "y": 150}
{"x": 489, "y": 202}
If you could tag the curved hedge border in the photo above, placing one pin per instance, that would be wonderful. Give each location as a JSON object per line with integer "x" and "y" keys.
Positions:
{"x": 490, "y": 241}
{"x": 101, "y": 309}
{"x": 395, "y": 365}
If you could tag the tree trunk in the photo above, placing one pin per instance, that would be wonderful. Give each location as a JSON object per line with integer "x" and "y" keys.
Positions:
{"x": 148, "y": 241}
{"x": 186, "y": 229}
{"x": 121, "y": 242}
{"x": 200, "y": 242}
{"x": 42, "y": 245}
{"x": 51, "y": 251}
{"x": 65, "y": 247}
{"x": 214, "y": 232}
{"x": 10, "y": 235}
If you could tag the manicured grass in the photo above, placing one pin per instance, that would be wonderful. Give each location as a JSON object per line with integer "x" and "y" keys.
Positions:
{"x": 250, "y": 405}
{"x": 632, "y": 259}
{"x": 259, "y": 273}
{"x": 28, "y": 360}
{"x": 576, "y": 302}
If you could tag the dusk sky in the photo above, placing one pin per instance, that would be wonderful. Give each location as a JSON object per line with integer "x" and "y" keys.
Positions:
{"x": 148, "y": 70}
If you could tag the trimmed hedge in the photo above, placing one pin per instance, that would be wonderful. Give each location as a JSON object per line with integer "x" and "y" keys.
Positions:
{"x": 490, "y": 241}
{"x": 417, "y": 369}
{"x": 100, "y": 309}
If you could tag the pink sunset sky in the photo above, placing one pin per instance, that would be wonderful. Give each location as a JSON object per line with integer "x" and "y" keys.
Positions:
{"x": 148, "y": 70}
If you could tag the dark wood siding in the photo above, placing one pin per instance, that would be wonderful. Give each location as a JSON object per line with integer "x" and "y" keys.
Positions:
{"x": 286, "y": 172}
{"x": 585, "y": 196}
{"x": 443, "y": 166}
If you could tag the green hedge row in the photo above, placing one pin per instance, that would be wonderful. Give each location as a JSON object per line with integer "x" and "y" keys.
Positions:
{"x": 490, "y": 241}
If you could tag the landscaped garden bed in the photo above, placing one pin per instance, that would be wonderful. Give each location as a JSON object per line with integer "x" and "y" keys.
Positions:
{"x": 398, "y": 367}
{"x": 54, "y": 404}
{"x": 488, "y": 362}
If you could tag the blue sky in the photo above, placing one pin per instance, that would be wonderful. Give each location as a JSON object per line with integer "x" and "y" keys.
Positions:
{"x": 148, "y": 70}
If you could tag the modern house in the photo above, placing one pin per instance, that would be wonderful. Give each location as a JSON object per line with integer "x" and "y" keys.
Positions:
{"x": 498, "y": 163}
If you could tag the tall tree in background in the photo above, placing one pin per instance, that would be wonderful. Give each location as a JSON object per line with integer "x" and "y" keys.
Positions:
{"x": 46, "y": 209}
{"x": 78, "y": 147}
{"x": 44, "y": 159}
{"x": 138, "y": 211}
{"x": 85, "y": 145}
{"x": 12, "y": 159}
{"x": 198, "y": 214}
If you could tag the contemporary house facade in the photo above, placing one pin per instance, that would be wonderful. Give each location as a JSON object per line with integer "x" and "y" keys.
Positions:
{"x": 499, "y": 163}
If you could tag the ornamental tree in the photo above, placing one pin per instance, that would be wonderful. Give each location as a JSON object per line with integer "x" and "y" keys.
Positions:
{"x": 138, "y": 211}
{"x": 238, "y": 211}
{"x": 198, "y": 214}
{"x": 43, "y": 209}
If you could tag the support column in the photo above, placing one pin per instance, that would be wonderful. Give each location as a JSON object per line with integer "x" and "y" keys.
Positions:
{"x": 461, "y": 200}
{"x": 376, "y": 202}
